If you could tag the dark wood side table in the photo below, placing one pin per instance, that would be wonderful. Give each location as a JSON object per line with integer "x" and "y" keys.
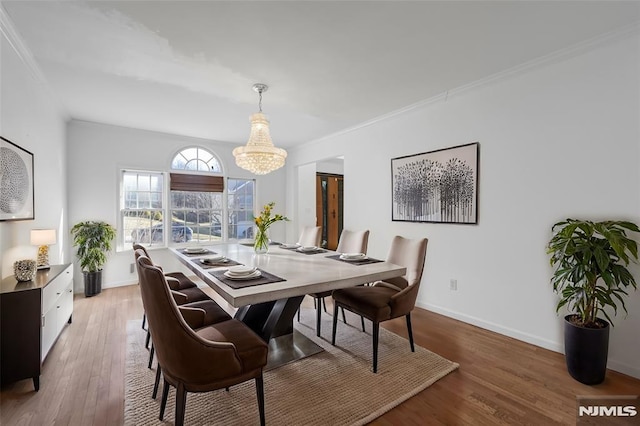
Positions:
{"x": 32, "y": 315}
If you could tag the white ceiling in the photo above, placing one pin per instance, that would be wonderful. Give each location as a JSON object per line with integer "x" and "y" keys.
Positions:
{"x": 187, "y": 67}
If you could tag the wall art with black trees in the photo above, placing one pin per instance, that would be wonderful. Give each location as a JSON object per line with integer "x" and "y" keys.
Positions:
{"x": 437, "y": 186}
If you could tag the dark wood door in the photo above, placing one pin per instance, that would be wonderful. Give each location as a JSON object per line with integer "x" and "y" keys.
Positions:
{"x": 329, "y": 207}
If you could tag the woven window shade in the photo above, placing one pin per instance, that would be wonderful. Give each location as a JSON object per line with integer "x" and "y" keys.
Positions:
{"x": 196, "y": 183}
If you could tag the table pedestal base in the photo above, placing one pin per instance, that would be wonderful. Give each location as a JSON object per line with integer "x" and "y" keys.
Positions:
{"x": 288, "y": 348}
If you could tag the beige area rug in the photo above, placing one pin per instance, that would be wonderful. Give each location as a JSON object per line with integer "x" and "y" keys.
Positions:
{"x": 335, "y": 387}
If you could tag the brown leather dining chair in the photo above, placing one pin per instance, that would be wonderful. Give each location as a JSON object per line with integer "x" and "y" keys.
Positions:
{"x": 201, "y": 360}
{"x": 207, "y": 308}
{"x": 310, "y": 236}
{"x": 392, "y": 298}
{"x": 184, "y": 290}
{"x": 349, "y": 242}
{"x": 178, "y": 281}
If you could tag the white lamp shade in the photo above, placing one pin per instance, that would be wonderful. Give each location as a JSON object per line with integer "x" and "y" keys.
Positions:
{"x": 43, "y": 237}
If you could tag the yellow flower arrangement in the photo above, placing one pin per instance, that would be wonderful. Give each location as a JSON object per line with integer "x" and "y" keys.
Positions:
{"x": 263, "y": 222}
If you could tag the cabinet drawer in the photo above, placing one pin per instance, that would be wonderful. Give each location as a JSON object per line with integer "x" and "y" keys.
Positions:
{"x": 56, "y": 288}
{"x": 64, "y": 307}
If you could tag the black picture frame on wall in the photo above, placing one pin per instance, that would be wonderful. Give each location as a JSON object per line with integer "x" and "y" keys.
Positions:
{"x": 438, "y": 186}
{"x": 17, "y": 187}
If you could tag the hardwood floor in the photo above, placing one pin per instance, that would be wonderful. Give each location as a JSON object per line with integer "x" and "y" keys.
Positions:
{"x": 500, "y": 380}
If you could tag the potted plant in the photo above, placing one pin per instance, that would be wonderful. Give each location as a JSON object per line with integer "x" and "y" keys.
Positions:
{"x": 92, "y": 240}
{"x": 590, "y": 262}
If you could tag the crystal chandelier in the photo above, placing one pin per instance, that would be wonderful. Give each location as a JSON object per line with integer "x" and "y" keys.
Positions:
{"x": 259, "y": 156}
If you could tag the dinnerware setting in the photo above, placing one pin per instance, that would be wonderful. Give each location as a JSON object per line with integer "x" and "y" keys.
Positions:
{"x": 307, "y": 248}
{"x": 242, "y": 272}
{"x": 195, "y": 250}
{"x": 289, "y": 245}
{"x": 214, "y": 259}
{"x": 353, "y": 257}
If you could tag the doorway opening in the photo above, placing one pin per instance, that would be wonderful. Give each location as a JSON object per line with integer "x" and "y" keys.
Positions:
{"x": 329, "y": 207}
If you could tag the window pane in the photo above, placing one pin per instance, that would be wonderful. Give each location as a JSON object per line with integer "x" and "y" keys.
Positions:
{"x": 130, "y": 182}
{"x": 156, "y": 200}
{"x": 240, "y": 205}
{"x": 156, "y": 183}
{"x": 177, "y": 199}
{"x": 178, "y": 162}
{"x": 144, "y": 182}
{"x": 204, "y": 200}
{"x": 204, "y": 155}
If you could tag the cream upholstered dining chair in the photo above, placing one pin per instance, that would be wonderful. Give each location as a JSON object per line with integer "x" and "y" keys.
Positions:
{"x": 201, "y": 360}
{"x": 310, "y": 236}
{"x": 349, "y": 242}
{"x": 392, "y": 298}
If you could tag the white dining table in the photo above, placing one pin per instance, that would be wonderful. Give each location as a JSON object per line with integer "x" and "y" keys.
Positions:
{"x": 269, "y": 309}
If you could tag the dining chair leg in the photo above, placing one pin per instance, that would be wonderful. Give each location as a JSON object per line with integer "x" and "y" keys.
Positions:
{"x": 260, "y": 394}
{"x": 376, "y": 332}
{"x": 362, "y": 322}
{"x": 335, "y": 323}
{"x": 318, "y": 318}
{"x": 298, "y": 314}
{"x": 146, "y": 342}
{"x": 413, "y": 349}
{"x": 151, "y": 352}
{"x": 163, "y": 402}
{"x": 181, "y": 404}
{"x": 344, "y": 317}
{"x": 324, "y": 305}
{"x": 144, "y": 320}
{"x": 157, "y": 382}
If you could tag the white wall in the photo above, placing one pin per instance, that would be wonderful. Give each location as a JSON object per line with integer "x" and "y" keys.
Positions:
{"x": 97, "y": 152}
{"x": 560, "y": 139}
{"x": 30, "y": 118}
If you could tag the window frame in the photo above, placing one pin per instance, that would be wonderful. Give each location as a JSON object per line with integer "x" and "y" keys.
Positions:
{"x": 166, "y": 210}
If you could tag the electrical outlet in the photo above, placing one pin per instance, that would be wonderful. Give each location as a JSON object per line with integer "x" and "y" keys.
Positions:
{"x": 132, "y": 268}
{"x": 453, "y": 284}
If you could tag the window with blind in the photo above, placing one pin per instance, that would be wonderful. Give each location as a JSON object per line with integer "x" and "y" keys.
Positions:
{"x": 194, "y": 200}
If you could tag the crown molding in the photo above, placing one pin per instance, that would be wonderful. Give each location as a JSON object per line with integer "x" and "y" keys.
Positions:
{"x": 18, "y": 45}
{"x": 557, "y": 56}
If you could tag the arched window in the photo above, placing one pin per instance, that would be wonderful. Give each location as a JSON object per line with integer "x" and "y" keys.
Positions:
{"x": 202, "y": 204}
{"x": 196, "y": 160}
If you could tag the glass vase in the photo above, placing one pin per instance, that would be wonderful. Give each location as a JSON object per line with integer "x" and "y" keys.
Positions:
{"x": 261, "y": 243}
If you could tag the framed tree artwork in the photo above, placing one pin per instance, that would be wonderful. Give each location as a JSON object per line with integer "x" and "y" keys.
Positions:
{"x": 438, "y": 186}
{"x": 16, "y": 182}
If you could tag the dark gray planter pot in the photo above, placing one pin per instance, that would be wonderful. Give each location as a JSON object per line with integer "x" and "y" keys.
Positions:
{"x": 586, "y": 351}
{"x": 92, "y": 283}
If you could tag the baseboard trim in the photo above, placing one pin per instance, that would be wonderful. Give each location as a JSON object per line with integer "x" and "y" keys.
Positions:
{"x": 524, "y": 337}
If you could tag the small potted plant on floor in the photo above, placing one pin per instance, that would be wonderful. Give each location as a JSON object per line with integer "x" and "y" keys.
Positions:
{"x": 590, "y": 275}
{"x": 92, "y": 240}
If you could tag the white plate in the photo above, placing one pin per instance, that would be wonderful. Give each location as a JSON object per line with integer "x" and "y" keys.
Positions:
{"x": 308, "y": 248}
{"x": 353, "y": 259}
{"x": 214, "y": 259}
{"x": 241, "y": 270}
{"x": 195, "y": 250}
{"x": 254, "y": 274}
{"x": 352, "y": 255}
{"x": 289, "y": 246}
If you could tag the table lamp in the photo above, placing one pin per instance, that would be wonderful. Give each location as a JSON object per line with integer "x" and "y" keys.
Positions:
{"x": 43, "y": 238}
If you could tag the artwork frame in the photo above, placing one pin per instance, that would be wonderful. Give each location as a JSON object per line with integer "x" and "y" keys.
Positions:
{"x": 438, "y": 186}
{"x": 17, "y": 197}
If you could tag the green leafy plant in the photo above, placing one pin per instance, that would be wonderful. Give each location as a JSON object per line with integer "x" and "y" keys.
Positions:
{"x": 590, "y": 261}
{"x": 92, "y": 240}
